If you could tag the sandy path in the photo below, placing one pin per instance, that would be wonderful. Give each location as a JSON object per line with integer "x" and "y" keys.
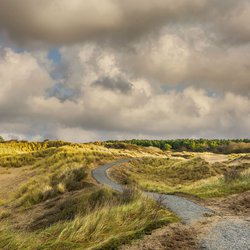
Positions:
{"x": 187, "y": 210}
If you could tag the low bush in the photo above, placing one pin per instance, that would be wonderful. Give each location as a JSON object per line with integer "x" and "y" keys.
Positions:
{"x": 232, "y": 174}
{"x": 4, "y": 214}
{"x": 70, "y": 179}
{"x": 48, "y": 186}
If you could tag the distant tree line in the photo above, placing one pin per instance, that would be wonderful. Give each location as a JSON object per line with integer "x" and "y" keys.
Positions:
{"x": 199, "y": 145}
{"x": 1, "y": 139}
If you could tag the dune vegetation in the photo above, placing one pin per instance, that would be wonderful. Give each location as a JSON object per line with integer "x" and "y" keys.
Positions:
{"x": 49, "y": 200}
{"x": 52, "y": 202}
{"x": 193, "y": 176}
{"x": 101, "y": 221}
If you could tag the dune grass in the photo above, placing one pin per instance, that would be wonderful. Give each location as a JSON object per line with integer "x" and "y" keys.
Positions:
{"x": 58, "y": 166}
{"x": 91, "y": 217}
{"x": 64, "y": 170}
{"x": 194, "y": 176}
{"x": 100, "y": 224}
{"x": 219, "y": 187}
{"x": 86, "y": 217}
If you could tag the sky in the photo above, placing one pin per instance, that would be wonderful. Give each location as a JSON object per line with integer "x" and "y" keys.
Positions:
{"x": 81, "y": 70}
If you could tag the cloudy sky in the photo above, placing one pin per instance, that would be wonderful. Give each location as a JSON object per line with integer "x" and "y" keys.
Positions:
{"x": 83, "y": 70}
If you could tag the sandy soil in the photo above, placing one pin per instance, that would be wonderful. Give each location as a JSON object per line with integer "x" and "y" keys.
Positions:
{"x": 177, "y": 236}
{"x": 232, "y": 221}
{"x": 234, "y": 205}
{"x": 213, "y": 158}
{"x": 11, "y": 179}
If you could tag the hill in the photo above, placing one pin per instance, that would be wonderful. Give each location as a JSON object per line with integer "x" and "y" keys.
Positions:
{"x": 49, "y": 199}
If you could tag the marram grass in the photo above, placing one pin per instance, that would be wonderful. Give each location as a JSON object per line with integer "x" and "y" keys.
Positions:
{"x": 105, "y": 227}
{"x": 99, "y": 219}
{"x": 195, "y": 176}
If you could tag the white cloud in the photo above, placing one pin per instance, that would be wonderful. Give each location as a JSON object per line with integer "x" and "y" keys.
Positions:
{"x": 20, "y": 77}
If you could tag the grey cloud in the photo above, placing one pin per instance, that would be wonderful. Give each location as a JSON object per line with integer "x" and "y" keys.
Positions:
{"x": 21, "y": 77}
{"x": 203, "y": 44}
{"x": 61, "y": 92}
{"x": 232, "y": 28}
{"x": 115, "y": 84}
{"x": 191, "y": 112}
{"x": 172, "y": 59}
{"x": 63, "y": 21}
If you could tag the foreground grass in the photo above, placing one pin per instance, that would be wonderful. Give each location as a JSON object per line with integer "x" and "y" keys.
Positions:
{"x": 63, "y": 207}
{"x": 106, "y": 226}
{"x": 195, "y": 176}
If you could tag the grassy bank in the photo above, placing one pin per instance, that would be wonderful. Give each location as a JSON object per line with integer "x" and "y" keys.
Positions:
{"x": 103, "y": 221}
{"x": 56, "y": 167}
{"x": 194, "y": 176}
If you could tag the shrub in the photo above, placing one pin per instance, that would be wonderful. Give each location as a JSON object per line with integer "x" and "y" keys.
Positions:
{"x": 232, "y": 174}
{"x": 129, "y": 193}
{"x": 117, "y": 145}
{"x": 69, "y": 179}
{"x": 4, "y": 215}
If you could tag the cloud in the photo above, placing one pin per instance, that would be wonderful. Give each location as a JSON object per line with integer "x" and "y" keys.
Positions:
{"x": 120, "y": 85}
{"x": 61, "y": 92}
{"x": 77, "y": 135}
{"x": 154, "y": 69}
{"x": 21, "y": 76}
{"x": 232, "y": 28}
{"x": 63, "y": 21}
{"x": 172, "y": 59}
{"x": 99, "y": 114}
{"x": 191, "y": 112}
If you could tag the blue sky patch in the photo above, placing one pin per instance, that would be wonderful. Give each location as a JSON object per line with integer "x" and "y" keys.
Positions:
{"x": 55, "y": 55}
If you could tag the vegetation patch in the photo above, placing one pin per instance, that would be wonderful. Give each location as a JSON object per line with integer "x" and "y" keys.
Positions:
{"x": 99, "y": 224}
{"x": 199, "y": 145}
{"x": 194, "y": 176}
{"x": 175, "y": 236}
{"x": 56, "y": 204}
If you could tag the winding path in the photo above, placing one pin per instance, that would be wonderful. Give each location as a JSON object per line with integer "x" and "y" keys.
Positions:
{"x": 226, "y": 234}
{"x": 187, "y": 210}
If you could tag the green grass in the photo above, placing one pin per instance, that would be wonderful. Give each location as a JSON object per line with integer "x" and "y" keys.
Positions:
{"x": 218, "y": 187}
{"x": 194, "y": 176}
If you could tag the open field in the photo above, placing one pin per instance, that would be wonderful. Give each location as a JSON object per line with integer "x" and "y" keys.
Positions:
{"x": 49, "y": 200}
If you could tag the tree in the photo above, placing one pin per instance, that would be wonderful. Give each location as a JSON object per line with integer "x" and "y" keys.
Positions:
{"x": 167, "y": 147}
{"x": 1, "y": 139}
